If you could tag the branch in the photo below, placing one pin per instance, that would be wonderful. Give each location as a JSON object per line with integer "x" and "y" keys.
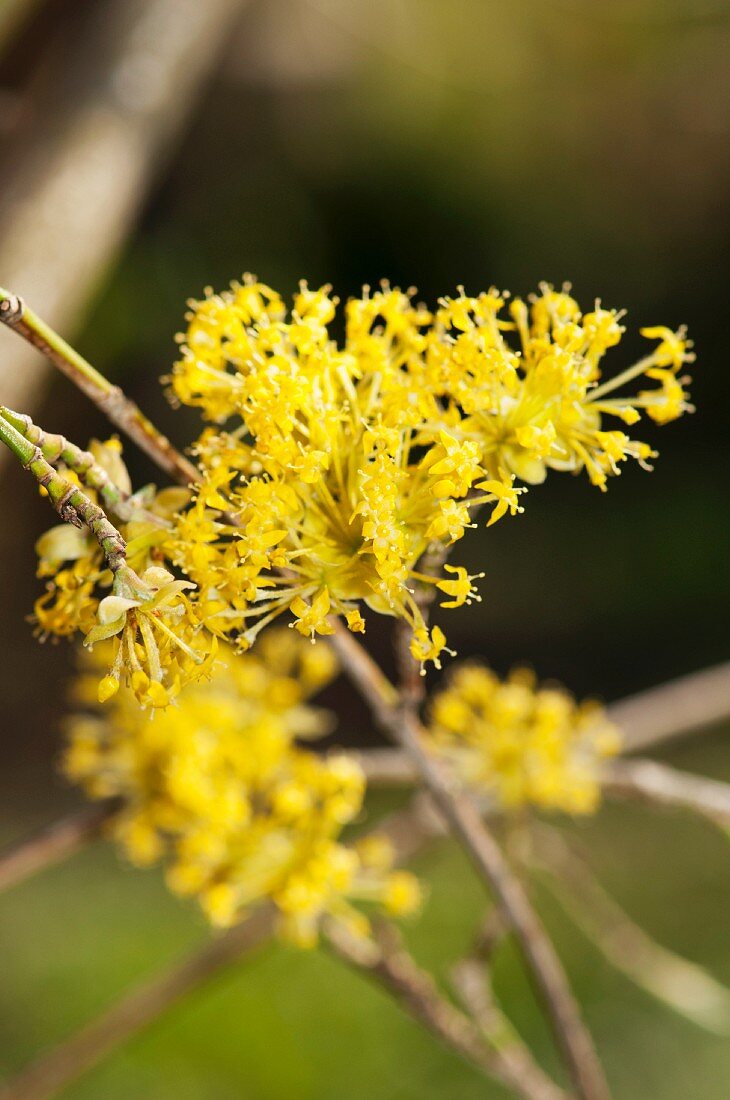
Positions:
{"x": 57, "y": 1069}
{"x": 464, "y": 819}
{"x": 122, "y": 412}
{"x": 470, "y": 979}
{"x": 53, "y": 843}
{"x": 682, "y": 706}
{"x": 104, "y": 120}
{"x": 71, "y": 503}
{"x": 387, "y": 964}
{"x": 684, "y": 986}
{"x": 659, "y": 784}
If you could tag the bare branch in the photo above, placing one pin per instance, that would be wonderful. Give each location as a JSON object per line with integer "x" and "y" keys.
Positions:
{"x": 684, "y": 986}
{"x": 465, "y": 820}
{"x": 55, "y": 1070}
{"x": 122, "y": 412}
{"x": 661, "y": 785}
{"x": 53, "y": 843}
{"x": 471, "y": 981}
{"x": 682, "y": 706}
{"x": 388, "y": 964}
{"x": 78, "y": 177}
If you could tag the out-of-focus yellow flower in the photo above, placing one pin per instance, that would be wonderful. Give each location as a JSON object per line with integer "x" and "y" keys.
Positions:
{"x": 521, "y": 745}
{"x": 218, "y": 787}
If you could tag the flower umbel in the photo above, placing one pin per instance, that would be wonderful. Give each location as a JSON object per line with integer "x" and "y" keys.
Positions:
{"x": 519, "y": 744}
{"x": 242, "y": 815}
{"x": 340, "y": 470}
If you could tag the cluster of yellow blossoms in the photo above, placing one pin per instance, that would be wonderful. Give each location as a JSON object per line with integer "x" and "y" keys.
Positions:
{"x": 337, "y": 474}
{"x": 243, "y": 815}
{"x": 521, "y": 745}
{"x": 344, "y": 463}
{"x": 159, "y": 642}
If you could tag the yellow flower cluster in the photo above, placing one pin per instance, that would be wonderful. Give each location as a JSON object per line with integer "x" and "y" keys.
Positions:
{"x": 343, "y": 463}
{"x": 241, "y": 813}
{"x": 541, "y": 403}
{"x": 159, "y": 643}
{"x": 519, "y": 744}
{"x": 334, "y": 471}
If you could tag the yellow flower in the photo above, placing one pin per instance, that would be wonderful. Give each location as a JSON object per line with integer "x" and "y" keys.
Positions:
{"x": 341, "y": 468}
{"x": 157, "y": 644}
{"x": 540, "y": 405}
{"x": 521, "y": 745}
{"x": 218, "y": 787}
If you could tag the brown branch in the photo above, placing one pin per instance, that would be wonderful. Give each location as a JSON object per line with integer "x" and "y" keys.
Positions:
{"x": 661, "y": 785}
{"x": 387, "y": 964}
{"x": 465, "y": 821}
{"x": 119, "y": 409}
{"x": 53, "y": 843}
{"x": 684, "y": 986}
{"x": 57, "y": 1069}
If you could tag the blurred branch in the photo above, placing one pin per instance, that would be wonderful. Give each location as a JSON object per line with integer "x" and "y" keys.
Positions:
{"x": 72, "y": 193}
{"x": 389, "y": 965}
{"x": 684, "y": 986}
{"x": 658, "y": 784}
{"x": 464, "y": 819}
{"x": 12, "y": 14}
{"x": 470, "y": 979}
{"x": 53, "y": 843}
{"x": 685, "y": 705}
{"x": 53, "y": 1071}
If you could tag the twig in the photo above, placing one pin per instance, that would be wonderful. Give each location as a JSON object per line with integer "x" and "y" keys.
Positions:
{"x": 464, "y": 819}
{"x": 390, "y": 966}
{"x": 53, "y": 843}
{"x": 71, "y": 503}
{"x": 684, "y": 986}
{"x": 55, "y": 1070}
{"x": 682, "y": 706}
{"x": 56, "y": 448}
{"x": 109, "y": 398}
{"x": 471, "y": 982}
{"x": 659, "y": 784}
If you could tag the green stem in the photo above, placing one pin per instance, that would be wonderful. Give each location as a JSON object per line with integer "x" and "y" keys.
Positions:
{"x": 56, "y": 448}
{"x": 110, "y": 399}
{"x": 71, "y": 503}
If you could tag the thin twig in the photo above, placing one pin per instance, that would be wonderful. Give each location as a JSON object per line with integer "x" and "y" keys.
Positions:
{"x": 684, "y": 986}
{"x": 53, "y": 843}
{"x": 470, "y": 979}
{"x": 659, "y": 784}
{"x": 388, "y": 964}
{"x": 62, "y": 1065}
{"x": 464, "y": 819}
{"x": 119, "y": 409}
{"x": 681, "y": 706}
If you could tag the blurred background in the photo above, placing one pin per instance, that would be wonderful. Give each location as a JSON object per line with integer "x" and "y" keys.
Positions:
{"x": 149, "y": 148}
